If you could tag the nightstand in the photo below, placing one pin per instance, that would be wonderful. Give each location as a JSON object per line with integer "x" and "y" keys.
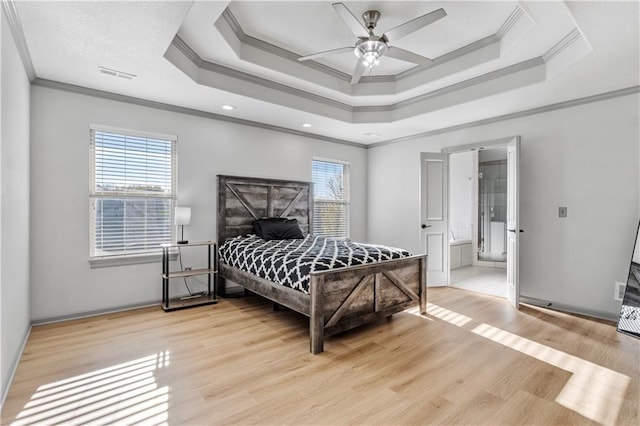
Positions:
{"x": 189, "y": 301}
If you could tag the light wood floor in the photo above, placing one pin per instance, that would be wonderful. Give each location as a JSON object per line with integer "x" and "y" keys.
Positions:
{"x": 471, "y": 360}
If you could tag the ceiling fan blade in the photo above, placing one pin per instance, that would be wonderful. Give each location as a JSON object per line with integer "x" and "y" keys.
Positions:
{"x": 326, "y": 53}
{"x": 352, "y": 22}
{"x": 405, "y": 55}
{"x": 357, "y": 72}
{"x": 414, "y": 25}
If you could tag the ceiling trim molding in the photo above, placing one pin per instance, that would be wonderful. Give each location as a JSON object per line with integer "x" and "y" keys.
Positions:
{"x": 356, "y": 113}
{"x": 11, "y": 13}
{"x": 533, "y": 111}
{"x": 563, "y": 44}
{"x": 502, "y": 72}
{"x": 50, "y": 84}
{"x": 493, "y": 75}
{"x": 511, "y": 20}
{"x": 454, "y": 54}
{"x": 276, "y": 50}
{"x": 198, "y": 113}
{"x": 185, "y": 49}
{"x": 269, "y": 84}
{"x": 379, "y": 81}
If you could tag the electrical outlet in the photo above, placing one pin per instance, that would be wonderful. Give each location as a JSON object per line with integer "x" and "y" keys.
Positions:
{"x": 562, "y": 212}
{"x": 188, "y": 268}
{"x": 618, "y": 291}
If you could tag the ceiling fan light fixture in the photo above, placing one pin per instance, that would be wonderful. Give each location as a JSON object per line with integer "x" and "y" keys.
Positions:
{"x": 370, "y": 51}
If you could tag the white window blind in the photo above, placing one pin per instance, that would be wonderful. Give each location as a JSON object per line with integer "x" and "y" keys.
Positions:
{"x": 132, "y": 193}
{"x": 331, "y": 199}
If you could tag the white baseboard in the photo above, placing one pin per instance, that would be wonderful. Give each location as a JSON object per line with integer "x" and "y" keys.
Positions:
{"x": 89, "y": 314}
{"x": 14, "y": 367}
{"x": 569, "y": 308}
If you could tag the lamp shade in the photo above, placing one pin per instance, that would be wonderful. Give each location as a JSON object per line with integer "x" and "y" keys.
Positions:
{"x": 182, "y": 216}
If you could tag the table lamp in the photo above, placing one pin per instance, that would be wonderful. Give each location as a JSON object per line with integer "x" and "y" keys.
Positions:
{"x": 182, "y": 217}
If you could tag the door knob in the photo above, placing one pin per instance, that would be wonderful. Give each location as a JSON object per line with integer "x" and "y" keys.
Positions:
{"x": 425, "y": 226}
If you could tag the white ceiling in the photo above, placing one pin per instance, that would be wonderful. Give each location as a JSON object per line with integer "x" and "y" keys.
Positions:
{"x": 490, "y": 59}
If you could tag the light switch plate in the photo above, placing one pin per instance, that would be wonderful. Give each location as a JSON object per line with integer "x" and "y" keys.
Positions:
{"x": 562, "y": 212}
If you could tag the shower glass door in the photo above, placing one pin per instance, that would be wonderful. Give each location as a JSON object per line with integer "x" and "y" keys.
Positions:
{"x": 492, "y": 210}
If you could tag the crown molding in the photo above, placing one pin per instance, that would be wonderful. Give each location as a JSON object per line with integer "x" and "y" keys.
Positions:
{"x": 50, "y": 84}
{"x": 11, "y": 13}
{"x": 450, "y": 56}
{"x": 511, "y": 20}
{"x": 186, "y": 50}
{"x": 373, "y": 85}
{"x": 530, "y": 71}
{"x": 484, "y": 78}
{"x": 563, "y": 44}
{"x": 198, "y": 113}
{"x": 245, "y": 77}
{"x": 533, "y": 111}
{"x": 244, "y": 38}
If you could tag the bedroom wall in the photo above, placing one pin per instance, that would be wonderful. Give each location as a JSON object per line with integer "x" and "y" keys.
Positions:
{"x": 62, "y": 281}
{"x": 584, "y": 157}
{"x": 14, "y": 209}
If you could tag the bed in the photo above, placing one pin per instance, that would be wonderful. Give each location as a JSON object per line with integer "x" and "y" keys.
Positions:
{"x": 336, "y": 299}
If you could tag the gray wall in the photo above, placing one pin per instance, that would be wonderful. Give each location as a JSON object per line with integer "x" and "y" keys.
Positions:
{"x": 584, "y": 157}
{"x": 14, "y": 210}
{"x": 62, "y": 281}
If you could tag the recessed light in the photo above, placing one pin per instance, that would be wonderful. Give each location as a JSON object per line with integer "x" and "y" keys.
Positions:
{"x": 228, "y": 107}
{"x": 307, "y": 125}
{"x": 372, "y": 134}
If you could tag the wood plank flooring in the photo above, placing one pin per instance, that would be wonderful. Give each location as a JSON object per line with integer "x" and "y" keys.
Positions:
{"x": 471, "y": 360}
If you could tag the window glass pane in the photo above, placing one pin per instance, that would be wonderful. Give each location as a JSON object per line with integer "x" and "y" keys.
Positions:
{"x": 331, "y": 199}
{"x": 132, "y": 193}
{"x": 132, "y": 164}
{"x": 131, "y": 225}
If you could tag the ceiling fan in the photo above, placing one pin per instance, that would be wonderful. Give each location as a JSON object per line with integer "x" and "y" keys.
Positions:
{"x": 369, "y": 48}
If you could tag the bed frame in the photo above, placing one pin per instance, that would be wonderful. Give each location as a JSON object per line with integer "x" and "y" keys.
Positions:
{"x": 339, "y": 299}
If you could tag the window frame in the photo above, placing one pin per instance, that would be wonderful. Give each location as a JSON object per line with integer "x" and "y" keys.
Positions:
{"x": 137, "y": 257}
{"x": 346, "y": 171}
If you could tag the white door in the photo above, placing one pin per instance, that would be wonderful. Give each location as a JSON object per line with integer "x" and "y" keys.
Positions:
{"x": 513, "y": 225}
{"x": 435, "y": 228}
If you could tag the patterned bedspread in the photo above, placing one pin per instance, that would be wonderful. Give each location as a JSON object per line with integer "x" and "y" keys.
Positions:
{"x": 289, "y": 262}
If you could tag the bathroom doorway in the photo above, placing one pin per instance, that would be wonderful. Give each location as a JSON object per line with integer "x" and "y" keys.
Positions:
{"x": 478, "y": 220}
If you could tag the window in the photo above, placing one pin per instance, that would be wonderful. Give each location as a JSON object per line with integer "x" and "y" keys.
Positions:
{"x": 132, "y": 193}
{"x": 331, "y": 199}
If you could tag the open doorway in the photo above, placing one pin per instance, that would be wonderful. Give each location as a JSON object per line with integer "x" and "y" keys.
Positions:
{"x": 478, "y": 220}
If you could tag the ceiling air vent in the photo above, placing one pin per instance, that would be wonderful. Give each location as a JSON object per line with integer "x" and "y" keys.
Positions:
{"x": 115, "y": 73}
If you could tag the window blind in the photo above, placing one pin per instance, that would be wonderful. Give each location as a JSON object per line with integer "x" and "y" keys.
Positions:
{"x": 331, "y": 199}
{"x": 132, "y": 193}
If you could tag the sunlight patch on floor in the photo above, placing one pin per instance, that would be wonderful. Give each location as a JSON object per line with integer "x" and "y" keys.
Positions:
{"x": 126, "y": 392}
{"x": 593, "y": 391}
{"x": 416, "y": 311}
{"x": 447, "y": 315}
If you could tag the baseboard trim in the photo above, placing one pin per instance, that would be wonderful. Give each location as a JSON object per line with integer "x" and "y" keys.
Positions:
{"x": 568, "y": 308}
{"x": 90, "y": 314}
{"x": 14, "y": 367}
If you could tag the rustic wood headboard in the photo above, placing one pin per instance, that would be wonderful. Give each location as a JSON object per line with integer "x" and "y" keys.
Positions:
{"x": 241, "y": 200}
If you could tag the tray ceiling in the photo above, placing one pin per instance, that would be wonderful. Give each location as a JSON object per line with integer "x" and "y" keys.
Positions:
{"x": 490, "y": 59}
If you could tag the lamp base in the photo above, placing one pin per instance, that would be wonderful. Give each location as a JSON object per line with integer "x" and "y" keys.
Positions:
{"x": 182, "y": 242}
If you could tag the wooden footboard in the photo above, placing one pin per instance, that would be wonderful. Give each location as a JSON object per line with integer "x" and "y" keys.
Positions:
{"x": 345, "y": 298}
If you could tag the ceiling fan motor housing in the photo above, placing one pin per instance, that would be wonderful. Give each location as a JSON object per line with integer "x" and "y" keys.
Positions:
{"x": 370, "y": 19}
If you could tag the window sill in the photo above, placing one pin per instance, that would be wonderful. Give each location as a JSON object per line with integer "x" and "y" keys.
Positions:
{"x": 132, "y": 259}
